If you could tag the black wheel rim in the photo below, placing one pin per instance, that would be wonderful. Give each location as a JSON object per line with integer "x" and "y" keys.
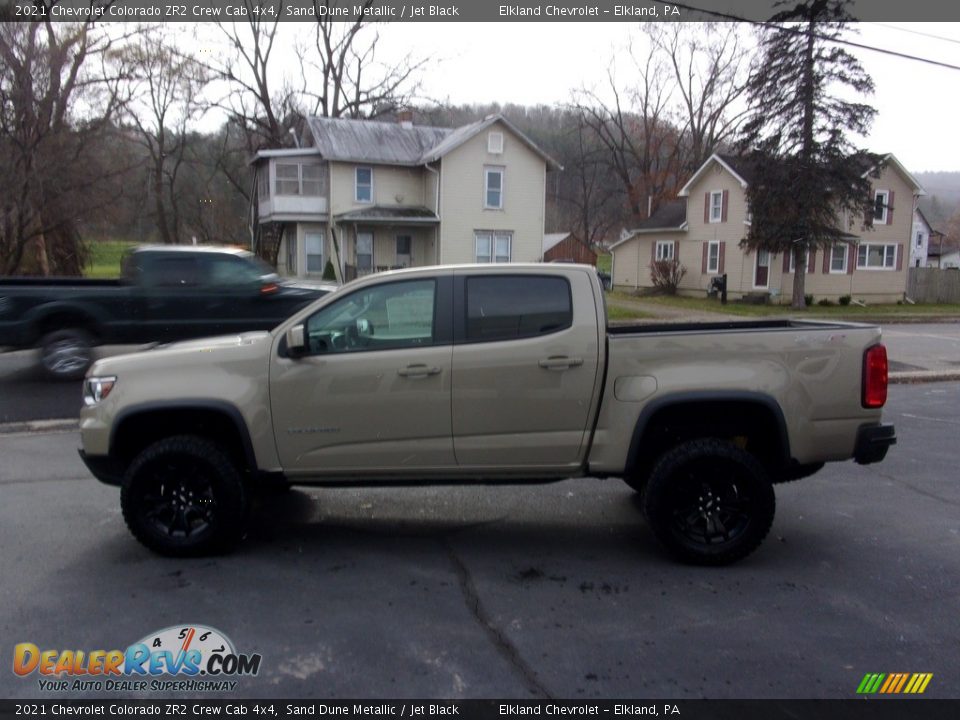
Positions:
{"x": 178, "y": 501}
{"x": 710, "y": 504}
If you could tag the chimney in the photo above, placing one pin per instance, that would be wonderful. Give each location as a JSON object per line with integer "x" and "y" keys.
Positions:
{"x": 405, "y": 118}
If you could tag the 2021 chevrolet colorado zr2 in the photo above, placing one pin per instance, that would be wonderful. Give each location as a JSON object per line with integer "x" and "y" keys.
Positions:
{"x": 483, "y": 374}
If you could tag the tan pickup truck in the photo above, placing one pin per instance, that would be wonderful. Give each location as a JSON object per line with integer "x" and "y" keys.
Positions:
{"x": 482, "y": 374}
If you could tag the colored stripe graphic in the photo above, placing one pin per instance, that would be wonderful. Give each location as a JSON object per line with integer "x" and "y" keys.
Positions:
{"x": 894, "y": 683}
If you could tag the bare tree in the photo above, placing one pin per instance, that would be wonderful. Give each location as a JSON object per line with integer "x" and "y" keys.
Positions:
{"x": 60, "y": 87}
{"x": 167, "y": 90}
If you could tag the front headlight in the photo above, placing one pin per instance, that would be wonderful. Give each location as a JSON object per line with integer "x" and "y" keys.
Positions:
{"x": 96, "y": 389}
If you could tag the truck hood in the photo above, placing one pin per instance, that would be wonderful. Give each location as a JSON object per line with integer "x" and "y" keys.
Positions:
{"x": 181, "y": 356}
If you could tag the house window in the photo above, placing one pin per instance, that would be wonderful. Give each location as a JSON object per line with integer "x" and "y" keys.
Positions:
{"x": 288, "y": 178}
{"x": 873, "y": 256}
{"x": 793, "y": 264}
{"x": 919, "y": 239}
{"x": 664, "y": 250}
{"x": 404, "y": 246}
{"x": 495, "y": 143}
{"x": 716, "y": 206}
{"x": 363, "y": 187}
{"x": 263, "y": 182}
{"x": 493, "y": 188}
{"x": 713, "y": 256}
{"x": 838, "y": 258}
{"x": 297, "y": 179}
{"x": 880, "y": 200}
{"x": 494, "y": 247}
{"x": 311, "y": 180}
{"x": 313, "y": 243}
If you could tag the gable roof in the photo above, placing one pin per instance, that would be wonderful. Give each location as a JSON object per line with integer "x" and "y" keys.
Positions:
{"x": 390, "y": 143}
{"x": 669, "y": 217}
{"x": 742, "y": 168}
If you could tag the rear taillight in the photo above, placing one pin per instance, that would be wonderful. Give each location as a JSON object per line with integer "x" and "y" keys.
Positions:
{"x": 874, "y": 393}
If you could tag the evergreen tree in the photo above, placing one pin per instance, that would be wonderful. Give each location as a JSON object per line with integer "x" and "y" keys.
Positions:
{"x": 809, "y": 186}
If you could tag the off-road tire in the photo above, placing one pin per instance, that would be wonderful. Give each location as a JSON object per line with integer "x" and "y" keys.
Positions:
{"x": 183, "y": 497}
{"x": 709, "y": 502}
{"x": 66, "y": 354}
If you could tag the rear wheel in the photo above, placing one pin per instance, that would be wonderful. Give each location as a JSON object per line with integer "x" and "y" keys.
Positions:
{"x": 183, "y": 496}
{"x": 66, "y": 354}
{"x": 709, "y": 502}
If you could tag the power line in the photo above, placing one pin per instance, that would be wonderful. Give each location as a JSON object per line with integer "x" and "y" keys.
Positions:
{"x": 796, "y": 31}
{"x": 917, "y": 32}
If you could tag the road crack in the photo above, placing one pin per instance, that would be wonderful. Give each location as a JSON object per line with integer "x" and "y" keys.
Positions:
{"x": 919, "y": 491}
{"x": 496, "y": 636}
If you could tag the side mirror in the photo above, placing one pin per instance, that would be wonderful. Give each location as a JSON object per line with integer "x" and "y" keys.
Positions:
{"x": 296, "y": 343}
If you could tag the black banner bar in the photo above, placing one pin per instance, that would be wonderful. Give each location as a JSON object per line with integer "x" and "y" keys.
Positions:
{"x": 862, "y": 709}
{"x": 447, "y": 10}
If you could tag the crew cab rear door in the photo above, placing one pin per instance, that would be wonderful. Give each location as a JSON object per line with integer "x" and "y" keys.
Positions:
{"x": 525, "y": 367}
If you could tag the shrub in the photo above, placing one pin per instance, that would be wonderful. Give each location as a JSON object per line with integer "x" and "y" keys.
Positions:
{"x": 845, "y": 300}
{"x": 328, "y": 272}
{"x": 666, "y": 275}
{"x": 808, "y": 300}
{"x": 825, "y": 302}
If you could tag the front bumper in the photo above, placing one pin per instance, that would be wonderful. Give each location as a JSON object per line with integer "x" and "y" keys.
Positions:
{"x": 105, "y": 468}
{"x": 873, "y": 441}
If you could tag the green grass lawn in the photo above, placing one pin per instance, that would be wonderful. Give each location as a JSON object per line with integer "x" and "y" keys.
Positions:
{"x": 619, "y": 313}
{"x": 105, "y": 257}
{"x": 852, "y": 312}
{"x": 604, "y": 261}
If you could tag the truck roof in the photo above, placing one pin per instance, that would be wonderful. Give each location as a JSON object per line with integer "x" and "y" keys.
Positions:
{"x": 225, "y": 249}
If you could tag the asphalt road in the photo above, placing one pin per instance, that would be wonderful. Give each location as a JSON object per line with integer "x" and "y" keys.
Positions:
{"x": 556, "y": 590}
{"x": 26, "y": 394}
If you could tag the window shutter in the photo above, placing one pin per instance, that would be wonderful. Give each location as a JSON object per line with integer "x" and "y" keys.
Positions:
{"x": 706, "y": 207}
{"x": 676, "y": 250}
{"x": 706, "y": 250}
{"x": 899, "y": 255}
{"x": 653, "y": 252}
{"x": 723, "y": 205}
{"x": 723, "y": 252}
{"x": 826, "y": 259}
{"x": 890, "y": 208}
{"x": 851, "y": 259}
{"x": 812, "y": 262}
{"x": 786, "y": 260}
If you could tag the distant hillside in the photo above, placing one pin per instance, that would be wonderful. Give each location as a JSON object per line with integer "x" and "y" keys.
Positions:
{"x": 943, "y": 196}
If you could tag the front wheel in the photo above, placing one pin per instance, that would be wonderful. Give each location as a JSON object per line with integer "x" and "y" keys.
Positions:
{"x": 66, "y": 354}
{"x": 709, "y": 502}
{"x": 183, "y": 496}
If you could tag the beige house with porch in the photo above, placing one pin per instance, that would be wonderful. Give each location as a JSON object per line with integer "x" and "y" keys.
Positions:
{"x": 371, "y": 196}
{"x": 704, "y": 227}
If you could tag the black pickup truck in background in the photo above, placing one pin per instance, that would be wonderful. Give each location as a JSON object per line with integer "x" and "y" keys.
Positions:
{"x": 165, "y": 294}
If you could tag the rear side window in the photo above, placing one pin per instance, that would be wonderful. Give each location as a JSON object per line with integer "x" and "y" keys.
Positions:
{"x": 173, "y": 272}
{"x": 508, "y": 307}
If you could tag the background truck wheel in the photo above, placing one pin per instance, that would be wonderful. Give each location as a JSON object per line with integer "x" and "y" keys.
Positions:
{"x": 709, "y": 502}
{"x": 66, "y": 354}
{"x": 183, "y": 496}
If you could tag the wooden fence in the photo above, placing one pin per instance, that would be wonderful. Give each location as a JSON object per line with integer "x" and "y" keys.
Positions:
{"x": 933, "y": 285}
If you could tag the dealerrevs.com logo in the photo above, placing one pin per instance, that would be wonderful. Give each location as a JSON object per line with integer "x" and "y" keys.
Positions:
{"x": 196, "y": 657}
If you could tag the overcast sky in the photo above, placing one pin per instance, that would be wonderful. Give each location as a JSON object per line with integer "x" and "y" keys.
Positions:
{"x": 543, "y": 63}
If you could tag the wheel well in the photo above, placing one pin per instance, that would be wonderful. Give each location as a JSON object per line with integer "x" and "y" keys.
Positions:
{"x": 137, "y": 431}
{"x": 754, "y": 426}
{"x": 65, "y": 320}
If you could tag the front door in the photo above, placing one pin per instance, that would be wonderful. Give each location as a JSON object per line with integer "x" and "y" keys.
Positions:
{"x": 525, "y": 370}
{"x": 372, "y": 394}
{"x": 762, "y": 275}
{"x": 404, "y": 250}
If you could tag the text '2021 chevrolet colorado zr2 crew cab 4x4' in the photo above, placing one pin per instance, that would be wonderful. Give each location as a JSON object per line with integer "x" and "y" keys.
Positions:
{"x": 493, "y": 375}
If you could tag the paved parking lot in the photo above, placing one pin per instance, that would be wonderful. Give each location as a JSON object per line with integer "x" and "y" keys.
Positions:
{"x": 555, "y": 590}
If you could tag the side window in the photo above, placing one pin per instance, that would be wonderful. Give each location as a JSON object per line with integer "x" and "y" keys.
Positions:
{"x": 516, "y": 306}
{"x": 173, "y": 272}
{"x": 382, "y": 317}
{"x": 229, "y": 270}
